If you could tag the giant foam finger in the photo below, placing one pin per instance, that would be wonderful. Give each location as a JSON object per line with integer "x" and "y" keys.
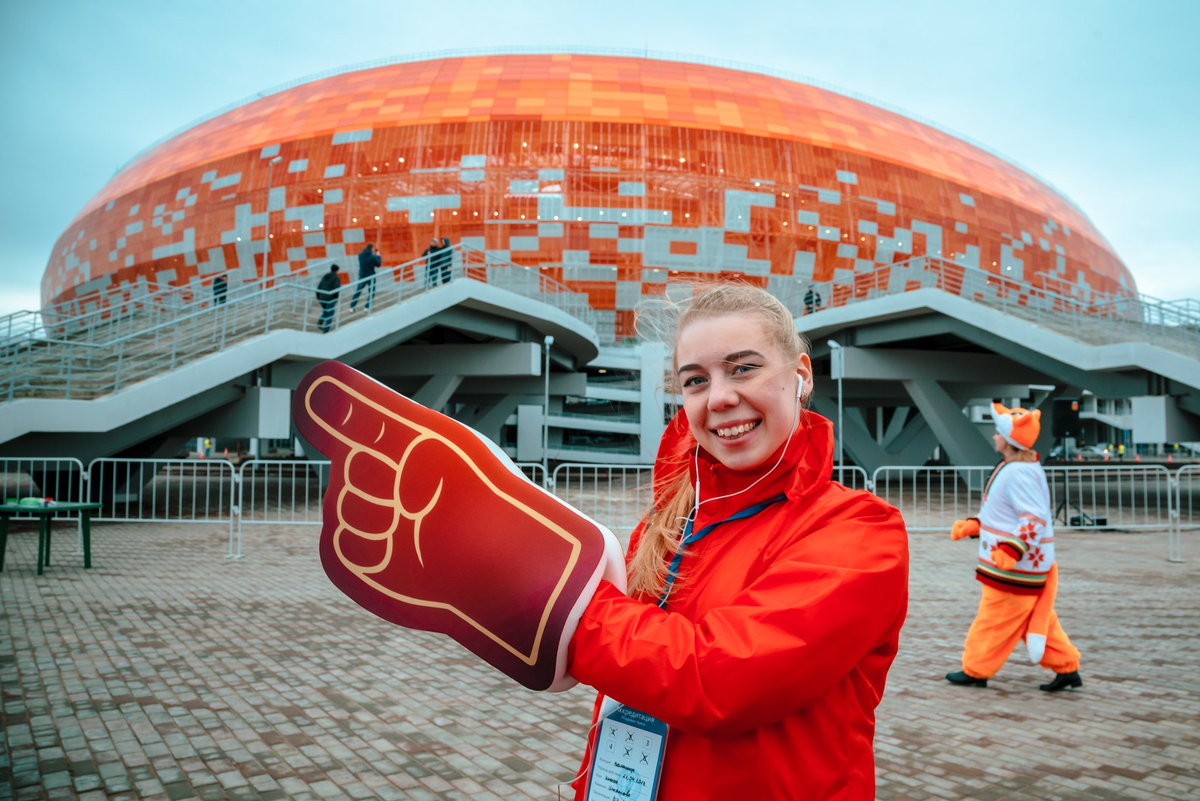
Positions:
{"x": 464, "y": 544}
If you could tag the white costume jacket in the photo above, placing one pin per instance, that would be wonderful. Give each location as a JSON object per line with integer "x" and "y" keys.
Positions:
{"x": 1016, "y": 517}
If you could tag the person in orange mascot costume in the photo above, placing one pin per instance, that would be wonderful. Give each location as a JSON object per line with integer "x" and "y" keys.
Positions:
{"x": 1016, "y": 563}
{"x": 765, "y": 600}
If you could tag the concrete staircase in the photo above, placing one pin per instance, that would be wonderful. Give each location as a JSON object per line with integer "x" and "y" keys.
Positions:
{"x": 110, "y": 348}
{"x": 62, "y": 353}
{"x": 1097, "y": 319}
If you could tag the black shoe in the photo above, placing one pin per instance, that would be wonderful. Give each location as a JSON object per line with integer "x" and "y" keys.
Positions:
{"x": 1063, "y": 681}
{"x": 961, "y": 678}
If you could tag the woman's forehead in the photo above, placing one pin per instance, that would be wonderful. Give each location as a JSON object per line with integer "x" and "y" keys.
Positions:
{"x": 714, "y": 338}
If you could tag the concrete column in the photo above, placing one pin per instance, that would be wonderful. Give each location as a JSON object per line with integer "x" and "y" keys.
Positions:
{"x": 653, "y": 357}
{"x": 958, "y": 437}
{"x": 529, "y": 433}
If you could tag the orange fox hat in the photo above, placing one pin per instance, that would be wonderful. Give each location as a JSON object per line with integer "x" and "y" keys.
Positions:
{"x": 1020, "y": 427}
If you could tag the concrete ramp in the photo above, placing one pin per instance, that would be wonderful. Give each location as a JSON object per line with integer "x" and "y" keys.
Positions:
{"x": 911, "y": 361}
{"x": 238, "y": 390}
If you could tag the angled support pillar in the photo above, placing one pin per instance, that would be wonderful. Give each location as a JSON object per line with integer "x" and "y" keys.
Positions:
{"x": 895, "y": 425}
{"x": 435, "y": 393}
{"x": 913, "y": 445}
{"x": 860, "y": 446}
{"x": 491, "y": 419}
{"x": 960, "y": 439}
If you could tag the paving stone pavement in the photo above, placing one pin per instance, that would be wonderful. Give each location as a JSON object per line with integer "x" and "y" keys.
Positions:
{"x": 169, "y": 672}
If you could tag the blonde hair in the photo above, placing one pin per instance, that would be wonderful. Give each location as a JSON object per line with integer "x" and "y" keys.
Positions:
{"x": 663, "y": 320}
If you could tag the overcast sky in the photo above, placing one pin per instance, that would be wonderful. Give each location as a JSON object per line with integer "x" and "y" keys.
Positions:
{"x": 1102, "y": 99}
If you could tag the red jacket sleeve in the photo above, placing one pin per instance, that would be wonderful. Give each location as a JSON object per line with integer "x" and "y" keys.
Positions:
{"x": 826, "y": 601}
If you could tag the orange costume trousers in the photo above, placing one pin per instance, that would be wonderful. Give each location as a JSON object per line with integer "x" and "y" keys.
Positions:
{"x": 1000, "y": 624}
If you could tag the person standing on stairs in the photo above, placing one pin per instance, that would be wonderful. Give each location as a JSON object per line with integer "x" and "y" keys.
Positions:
{"x": 327, "y": 296}
{"x": 368, "y": 261}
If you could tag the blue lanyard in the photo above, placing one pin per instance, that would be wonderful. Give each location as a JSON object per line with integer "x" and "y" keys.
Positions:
{"x": 689, "y": 538}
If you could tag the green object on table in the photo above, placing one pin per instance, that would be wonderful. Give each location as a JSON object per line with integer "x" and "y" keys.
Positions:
{"x": 44, "y": 515}
{"x": 31, "y": 501}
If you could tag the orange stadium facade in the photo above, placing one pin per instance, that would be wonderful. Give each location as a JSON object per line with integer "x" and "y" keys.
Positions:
{"x": 610, "y": 173}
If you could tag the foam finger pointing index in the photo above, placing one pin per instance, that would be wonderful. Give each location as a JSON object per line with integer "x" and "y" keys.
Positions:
{"x": 340, "y": 411}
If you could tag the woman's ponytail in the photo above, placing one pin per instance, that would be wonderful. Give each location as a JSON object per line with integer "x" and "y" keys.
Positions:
{"x": 660, "y": 540}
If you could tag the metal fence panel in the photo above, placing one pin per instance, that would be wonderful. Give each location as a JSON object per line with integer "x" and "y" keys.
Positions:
{"x": 176, "y": 490}
{"x": 162, "y": 490}
{"x": 273, "y": 491}
{"x": 1187, "y": 509}
{"x": 62, "y": 479}
{"x": 533, "y": 471}
{"x": 1086, "y": 498}
{"x": 616, "y": 496}
{"x": 852, "y": 477}
{"x": 1123, "y": 497}
{"x": 1187, "y": 493}
{"x": 932, "y": 498}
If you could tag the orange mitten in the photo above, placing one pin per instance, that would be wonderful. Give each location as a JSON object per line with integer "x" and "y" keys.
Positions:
{"x": 965, "y": 528}
{"x": 1003, "y": 559}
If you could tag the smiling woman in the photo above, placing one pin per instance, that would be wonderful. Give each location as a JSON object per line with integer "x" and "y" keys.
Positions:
{"x": 767, "y": 599}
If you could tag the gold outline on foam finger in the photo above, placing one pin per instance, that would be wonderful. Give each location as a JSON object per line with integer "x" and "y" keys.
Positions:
{"x": 425, "y": 434}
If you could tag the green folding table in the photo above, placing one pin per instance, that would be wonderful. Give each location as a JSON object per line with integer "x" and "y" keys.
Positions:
{"x": 44, "y": 515}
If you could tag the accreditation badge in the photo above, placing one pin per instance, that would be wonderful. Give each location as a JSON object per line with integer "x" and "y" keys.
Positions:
{"x": 628, "y": 761}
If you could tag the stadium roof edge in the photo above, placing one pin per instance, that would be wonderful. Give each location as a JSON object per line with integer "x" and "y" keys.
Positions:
{"x": 656, "y": 55}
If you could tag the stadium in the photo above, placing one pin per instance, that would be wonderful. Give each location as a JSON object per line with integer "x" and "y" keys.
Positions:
{"x": 607, "y": 172}
{"x": 569, "y": 188}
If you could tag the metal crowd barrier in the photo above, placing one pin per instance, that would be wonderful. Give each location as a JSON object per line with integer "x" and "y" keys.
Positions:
{"x": 260, "y": 492}
{"x": 162, "y": 490}
{"x": 535, "y": 472}
{"x": 1083, "y": 498}
{"x": 272, "y": 492}
{"x": 1124, "y": 497}
{"x": 852, "y": 477}
{"x": 1186, "y": 514}
{"x": 616, "y": 496}
{"x": 931, "y": 498}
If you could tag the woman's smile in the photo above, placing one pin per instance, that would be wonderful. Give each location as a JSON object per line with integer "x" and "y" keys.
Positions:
{"x": 736, "y": 431}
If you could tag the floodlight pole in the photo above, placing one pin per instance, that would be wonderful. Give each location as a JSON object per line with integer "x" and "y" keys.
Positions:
{"x": 837, "y": 366}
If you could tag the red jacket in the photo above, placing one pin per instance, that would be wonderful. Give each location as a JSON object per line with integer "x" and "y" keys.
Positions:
{"x": 772, "y": 654}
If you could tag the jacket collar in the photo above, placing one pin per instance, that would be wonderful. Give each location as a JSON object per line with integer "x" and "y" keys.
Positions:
{"x": 806, "y": 465}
